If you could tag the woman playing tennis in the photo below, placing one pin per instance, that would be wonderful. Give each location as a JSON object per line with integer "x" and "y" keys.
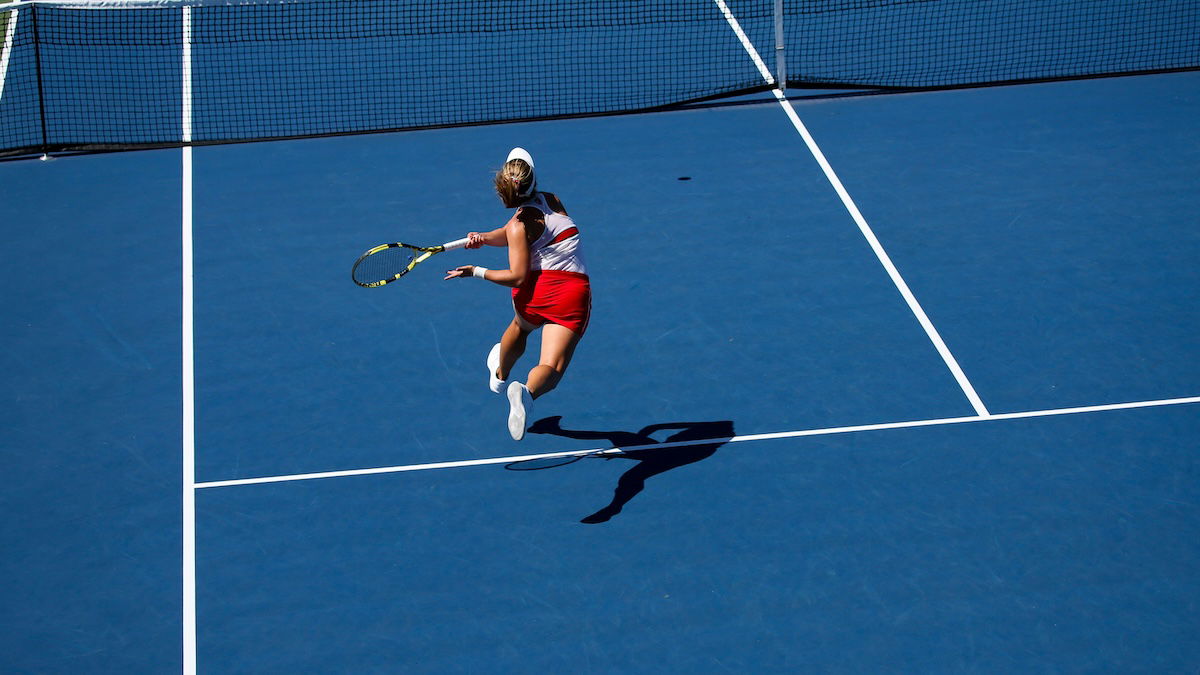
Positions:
{"x": 549, "y": 281}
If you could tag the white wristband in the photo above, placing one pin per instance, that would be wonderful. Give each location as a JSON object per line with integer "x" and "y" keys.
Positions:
{"x": 478, "y": 272}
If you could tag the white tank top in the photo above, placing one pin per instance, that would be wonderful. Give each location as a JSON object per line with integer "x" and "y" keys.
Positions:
{"x": 558, "y": 246}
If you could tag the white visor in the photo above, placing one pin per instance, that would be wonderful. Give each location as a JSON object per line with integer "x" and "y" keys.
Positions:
{"x": 523, "y": 155}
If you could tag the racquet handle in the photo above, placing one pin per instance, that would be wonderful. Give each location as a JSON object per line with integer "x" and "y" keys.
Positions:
{"x": 457, "y": 243}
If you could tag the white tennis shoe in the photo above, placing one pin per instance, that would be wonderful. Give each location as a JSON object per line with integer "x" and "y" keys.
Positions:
{"x": 493, "y": 362}
{"x": 519, "y": 405}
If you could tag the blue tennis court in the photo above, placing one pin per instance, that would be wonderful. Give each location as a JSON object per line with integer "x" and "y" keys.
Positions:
{"x": 904, "y": 382}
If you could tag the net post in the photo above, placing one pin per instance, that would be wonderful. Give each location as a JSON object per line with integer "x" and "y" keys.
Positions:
{"x": 780, "y": 63}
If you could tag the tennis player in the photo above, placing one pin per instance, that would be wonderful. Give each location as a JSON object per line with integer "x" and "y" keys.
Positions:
{"x": 549, "y": 282}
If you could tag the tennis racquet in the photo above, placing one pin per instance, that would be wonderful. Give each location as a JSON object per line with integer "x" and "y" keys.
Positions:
{"x": 388, "y": 262}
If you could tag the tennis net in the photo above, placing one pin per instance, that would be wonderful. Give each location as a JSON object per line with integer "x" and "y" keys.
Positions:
{"x": 908, "y": 44}
{"x": 106, "y": 75}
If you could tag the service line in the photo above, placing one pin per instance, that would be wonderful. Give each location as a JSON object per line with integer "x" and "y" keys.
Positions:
{"x": 828, "y": 431}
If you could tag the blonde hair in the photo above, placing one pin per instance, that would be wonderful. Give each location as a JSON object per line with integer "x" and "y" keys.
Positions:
{"x": 513, "y": 180}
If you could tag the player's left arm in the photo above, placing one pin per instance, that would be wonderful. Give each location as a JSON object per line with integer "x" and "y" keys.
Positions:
{"x": 555, "y": 203}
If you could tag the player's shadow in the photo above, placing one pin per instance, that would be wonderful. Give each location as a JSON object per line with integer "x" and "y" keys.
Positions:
{"x": 650, "y": 461}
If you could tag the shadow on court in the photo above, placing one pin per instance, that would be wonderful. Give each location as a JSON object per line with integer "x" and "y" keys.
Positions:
{"x": 650, "y": 461}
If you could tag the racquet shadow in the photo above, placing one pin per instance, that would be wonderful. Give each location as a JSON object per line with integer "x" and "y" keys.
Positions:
{"x": 650, "y": 461}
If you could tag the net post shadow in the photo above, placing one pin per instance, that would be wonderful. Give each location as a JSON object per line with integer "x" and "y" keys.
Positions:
{"x": 649, "y": 461}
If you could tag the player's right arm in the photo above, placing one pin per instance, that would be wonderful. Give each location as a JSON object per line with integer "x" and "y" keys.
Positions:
{"x": 496, "y": 237}
{"x": 517, "y": 241}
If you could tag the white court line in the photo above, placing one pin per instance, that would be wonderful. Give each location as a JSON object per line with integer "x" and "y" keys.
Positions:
{"x": 830, "y": 431}
{"x": 189, "y": 367}
{"x": 6, "y": 50}
{"x": 859, "y": 220}
{"x": 189, "y": 429}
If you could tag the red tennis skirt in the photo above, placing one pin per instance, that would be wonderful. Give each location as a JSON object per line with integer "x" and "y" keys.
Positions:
{"x": 554, "y": 296}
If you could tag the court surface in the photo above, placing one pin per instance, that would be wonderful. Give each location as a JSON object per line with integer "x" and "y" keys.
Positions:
{"x": 837, "y": 493}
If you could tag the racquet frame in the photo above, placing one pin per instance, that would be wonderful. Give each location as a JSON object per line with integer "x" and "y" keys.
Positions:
{"x": 421, "y": 254}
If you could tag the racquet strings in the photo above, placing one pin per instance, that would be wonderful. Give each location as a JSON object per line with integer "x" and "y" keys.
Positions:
{"x": 383, "y": 265}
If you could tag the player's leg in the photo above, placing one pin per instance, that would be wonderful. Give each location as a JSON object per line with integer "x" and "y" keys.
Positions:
{"x": 512, "y": 345}
{"x": 558, "y": 346}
